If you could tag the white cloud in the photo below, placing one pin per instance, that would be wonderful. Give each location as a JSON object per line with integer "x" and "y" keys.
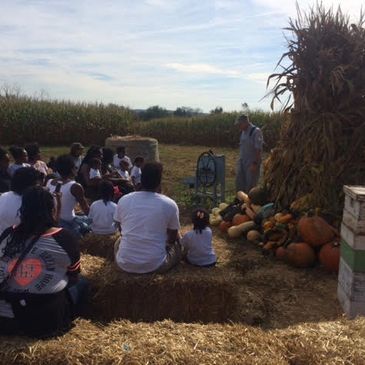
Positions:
{"x": 202, "y": 69}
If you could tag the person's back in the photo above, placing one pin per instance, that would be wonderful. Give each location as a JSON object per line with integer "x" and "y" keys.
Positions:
{"x": 197, "y": 243}
{"x": 102, "y": 216}
{"x": 145, "y": 218}
{"x": 10, "y": 203}
{"x": 68, "y": 200}
{"x": 42, "y": 262}
{"x": 199, "y": 247}
{"x": 149, "y": 223}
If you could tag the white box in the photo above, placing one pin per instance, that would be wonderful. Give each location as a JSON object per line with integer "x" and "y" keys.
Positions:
{"x": 357, "y": 226}
{"x": 354, "y": 240}
{"x": 352, "y": 283}
{"x": 355, "y": 201}
{"x": 351, "y": 308}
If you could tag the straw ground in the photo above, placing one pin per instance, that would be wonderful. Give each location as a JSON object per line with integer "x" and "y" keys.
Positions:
{"x": 250, "y": 309}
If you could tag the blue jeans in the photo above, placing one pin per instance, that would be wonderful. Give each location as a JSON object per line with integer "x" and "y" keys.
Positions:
{"x": 79, "y": 294}
{"x": 80, "y": 225}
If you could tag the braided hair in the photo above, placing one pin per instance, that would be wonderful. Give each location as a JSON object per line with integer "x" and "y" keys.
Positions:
{"x": 36, "y": 217}
{"x": 200, "y": 219}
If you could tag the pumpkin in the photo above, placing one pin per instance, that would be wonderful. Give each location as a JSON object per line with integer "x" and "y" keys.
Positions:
{"x": 300, "y": 255}
{"x": 280, "y": 253}
{"x": 329, "y": 256}
{"x": 240, "y": 218}
{"x": 223, "y": 226}
{"x": 253, "y": 236}
{"x": 315, "y": 231}
{"x": 237, "y": 231}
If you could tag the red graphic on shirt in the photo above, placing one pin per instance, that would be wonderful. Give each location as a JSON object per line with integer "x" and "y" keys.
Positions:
{"x": 27, "y": 272}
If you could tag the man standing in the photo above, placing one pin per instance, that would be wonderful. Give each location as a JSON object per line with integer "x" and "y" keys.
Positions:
{"x": 248, "y": 165}
{"x": 149, "y": 223}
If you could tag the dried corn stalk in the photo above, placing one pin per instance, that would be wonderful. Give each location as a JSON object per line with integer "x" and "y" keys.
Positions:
{"x": 322, "y": 143}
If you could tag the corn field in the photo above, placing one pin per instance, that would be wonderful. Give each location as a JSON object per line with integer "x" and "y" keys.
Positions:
{"x": 56, "y": 123}
{"x": 210, "y": 130}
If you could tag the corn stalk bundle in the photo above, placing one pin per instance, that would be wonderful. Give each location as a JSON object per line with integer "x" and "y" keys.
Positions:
{"x": 322, "y": 143}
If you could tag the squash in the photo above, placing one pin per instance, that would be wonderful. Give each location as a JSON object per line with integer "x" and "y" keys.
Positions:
{"x": 285, "y": 218}
{"x": 222, "y": 206}
{"x": 253, "y": 236}
{"x": 250, "y": 213}
{"x": 256, "y": 208}
{"x": 240, "y": 218}
{"x": 300, "y": 255}
{"x": 242, "y": 197}
{"x": 277, "y": 216}
{"x": 223, "y": 226}
{"x": 315, "y": 231}
{"x": 329, "y": 256}
{"x": 214, "y": 220}
{"x": 268, "y": 225}
{"x": 215, "y": 211}
{"x": 257, "y": 196}
{"x": 237, "y": 231}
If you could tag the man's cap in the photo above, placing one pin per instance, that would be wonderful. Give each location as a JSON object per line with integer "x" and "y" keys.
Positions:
{"x": 77, "y": 146}
{"x": 241, "y": 118}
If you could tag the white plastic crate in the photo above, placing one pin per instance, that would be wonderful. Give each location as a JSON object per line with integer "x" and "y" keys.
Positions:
{"x": 352, "y": 283}
{"x": 353, "y": 239}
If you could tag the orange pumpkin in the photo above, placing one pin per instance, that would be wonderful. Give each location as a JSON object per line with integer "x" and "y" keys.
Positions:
{"x": 280, "y": 253}
{"x": 329, "y": 256}
{"x": 315, "y": 231}
{"x": 300, "y": 255}
{"x": 223, "y": 226}
{"x": 240, "y": 218}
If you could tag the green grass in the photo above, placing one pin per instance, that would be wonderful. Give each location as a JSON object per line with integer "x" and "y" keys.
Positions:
{"x": 179, "y": 162}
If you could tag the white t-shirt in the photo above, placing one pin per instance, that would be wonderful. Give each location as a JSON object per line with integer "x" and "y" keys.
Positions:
{"x": 136, "y": 174}
{"x": 199, "y": 247}
{"x": 116, "y": 161}
{"x": 94, "y": 173}
{"x": 68, "y": 200}
{"x": 123, "y": 174}
{"x": 9, "y": 210}
{"x": 103, "y": 217}
{"x": 144, "y": 218}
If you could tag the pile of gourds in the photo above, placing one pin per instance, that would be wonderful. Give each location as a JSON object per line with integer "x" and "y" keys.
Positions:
{"x": 299, "y": 241}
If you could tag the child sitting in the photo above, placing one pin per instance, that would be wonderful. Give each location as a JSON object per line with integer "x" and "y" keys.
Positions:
{"x": 197, "y": 243}
{"x": 121, "y": 156}
{"x": 136, "y": 172}
{"x": 20, "y": 157}
{"x": 123, "y": 170}
{"x": 95, "y": 169}
{"x": 102, "y": 211}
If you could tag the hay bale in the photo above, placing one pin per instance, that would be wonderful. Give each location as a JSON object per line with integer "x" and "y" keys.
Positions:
{"x": 136, "y": 146}
{"x": 99, "y": 245}
{"x": 186, "y": 294}
{"x": 165, "y": 343}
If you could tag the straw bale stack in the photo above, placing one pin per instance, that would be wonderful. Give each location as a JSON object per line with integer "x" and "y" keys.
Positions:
{"x": 337, "y": 342}
{"x": 186, "y": 294}
{"x": 136, "y": 146}
{"x": 99, "y": 245}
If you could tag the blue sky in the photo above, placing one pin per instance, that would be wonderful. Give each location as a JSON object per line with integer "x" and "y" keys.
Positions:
{"x": 139, "y": 53}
